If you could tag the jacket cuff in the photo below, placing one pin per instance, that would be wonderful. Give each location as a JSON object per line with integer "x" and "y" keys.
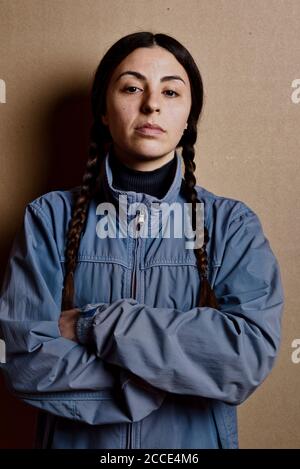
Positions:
{"x": 84, "y": 329}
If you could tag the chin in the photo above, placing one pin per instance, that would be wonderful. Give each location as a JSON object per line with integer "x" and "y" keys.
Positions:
{"x": 151, "y": 151}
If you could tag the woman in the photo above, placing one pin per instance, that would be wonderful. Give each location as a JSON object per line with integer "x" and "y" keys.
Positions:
{"x": 138, "y": 341}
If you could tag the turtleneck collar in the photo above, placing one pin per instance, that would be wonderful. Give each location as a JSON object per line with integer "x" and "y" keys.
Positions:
{"x": 155, "y": 182}
{"x": 170, "y": 192}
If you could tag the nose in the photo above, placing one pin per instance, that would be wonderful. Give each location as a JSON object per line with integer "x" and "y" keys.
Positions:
{"x": 151, "y": 102}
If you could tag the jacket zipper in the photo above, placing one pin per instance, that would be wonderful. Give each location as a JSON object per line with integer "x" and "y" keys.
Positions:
{"x": 140, "y": 220}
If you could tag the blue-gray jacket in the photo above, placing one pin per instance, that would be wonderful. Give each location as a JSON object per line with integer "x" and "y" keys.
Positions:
{"x": 153, "y": 370}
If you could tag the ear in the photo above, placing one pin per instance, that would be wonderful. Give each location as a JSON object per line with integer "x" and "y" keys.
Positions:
{"x": 104, "y": 119}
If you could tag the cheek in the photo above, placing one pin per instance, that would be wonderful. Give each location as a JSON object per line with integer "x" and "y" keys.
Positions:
{"x": 123, "y": 113}
{"x": 176, "y": 123}
{"x": 178, "y": 116}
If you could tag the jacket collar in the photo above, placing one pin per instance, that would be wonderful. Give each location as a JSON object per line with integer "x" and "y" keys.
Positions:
{"x": 113, "y": 194}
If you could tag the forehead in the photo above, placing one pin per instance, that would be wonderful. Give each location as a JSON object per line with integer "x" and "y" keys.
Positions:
{"x": 151, "y": 62}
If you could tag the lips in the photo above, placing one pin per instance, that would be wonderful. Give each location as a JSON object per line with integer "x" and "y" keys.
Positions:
{"x": 150, "y": 130}
{"x": 150, "y": 126}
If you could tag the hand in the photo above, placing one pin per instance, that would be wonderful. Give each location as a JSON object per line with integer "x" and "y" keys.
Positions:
{"x": 67, "y": 323}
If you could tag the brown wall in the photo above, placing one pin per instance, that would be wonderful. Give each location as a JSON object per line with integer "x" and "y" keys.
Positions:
{"x": 248, "y": 143}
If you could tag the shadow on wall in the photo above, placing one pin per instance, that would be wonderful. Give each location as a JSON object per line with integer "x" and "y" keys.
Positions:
{"x": 61, "y": 131}
{"x": 63, "y": 139}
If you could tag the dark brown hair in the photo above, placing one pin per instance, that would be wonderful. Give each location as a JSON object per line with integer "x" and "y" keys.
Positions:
{"x": 100, "y": 139}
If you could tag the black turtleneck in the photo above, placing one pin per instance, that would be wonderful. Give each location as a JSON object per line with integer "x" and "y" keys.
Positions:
{"x": 156, "y": 182}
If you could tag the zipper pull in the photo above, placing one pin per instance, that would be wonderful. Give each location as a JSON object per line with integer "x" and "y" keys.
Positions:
{"x": 141, "y": 217}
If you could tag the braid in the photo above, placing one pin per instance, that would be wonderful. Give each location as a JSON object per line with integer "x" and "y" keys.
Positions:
{"x": 78, "y": 219}
{"x": 207, "y": 295}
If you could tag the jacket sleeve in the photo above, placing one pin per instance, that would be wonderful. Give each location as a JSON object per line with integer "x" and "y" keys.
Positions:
{"x": 43, "y": 368}
{"x": 220, "y": 353}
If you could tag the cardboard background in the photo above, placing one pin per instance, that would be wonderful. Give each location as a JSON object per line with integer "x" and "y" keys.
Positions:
{"x": 248, "y": 142}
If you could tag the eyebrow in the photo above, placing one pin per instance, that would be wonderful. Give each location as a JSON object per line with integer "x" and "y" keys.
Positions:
{"x": 143, "y": 78}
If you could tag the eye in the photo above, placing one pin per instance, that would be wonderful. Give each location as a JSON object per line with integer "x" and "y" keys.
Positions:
{"x": 172, "y": 91}
{"x": 131, "y": 87}
{"x": 136, "y": 88}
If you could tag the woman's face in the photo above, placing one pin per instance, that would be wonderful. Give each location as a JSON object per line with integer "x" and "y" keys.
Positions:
{"x": 132, "y": 101}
